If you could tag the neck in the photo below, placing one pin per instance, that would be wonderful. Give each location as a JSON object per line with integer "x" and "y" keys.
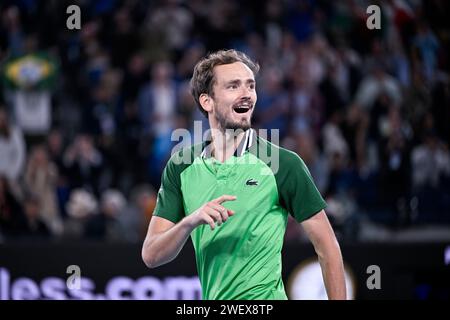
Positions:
{"x": 225, "y": 143}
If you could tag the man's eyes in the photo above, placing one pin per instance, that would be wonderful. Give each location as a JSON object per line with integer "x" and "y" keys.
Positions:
{"x": 235, "y": 86}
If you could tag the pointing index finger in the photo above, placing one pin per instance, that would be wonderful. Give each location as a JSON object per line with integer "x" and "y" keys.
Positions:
{"x": 224, "y": 198}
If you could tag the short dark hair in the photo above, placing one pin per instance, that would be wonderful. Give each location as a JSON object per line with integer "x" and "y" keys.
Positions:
{"x": 202, "y": 80}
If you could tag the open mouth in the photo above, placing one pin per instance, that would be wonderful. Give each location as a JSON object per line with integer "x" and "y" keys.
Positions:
{"x": 242, "y": 107}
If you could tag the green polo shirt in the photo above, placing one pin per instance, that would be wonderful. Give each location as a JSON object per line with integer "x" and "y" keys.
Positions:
{"x": 241, "y": 259}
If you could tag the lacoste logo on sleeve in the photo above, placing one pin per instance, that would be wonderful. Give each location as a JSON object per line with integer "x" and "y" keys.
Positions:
{"x": 251, "y": 182}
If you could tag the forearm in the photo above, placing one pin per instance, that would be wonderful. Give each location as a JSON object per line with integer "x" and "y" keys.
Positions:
{"x": 163, "y": 247}
{"x": 321, "y": 233}
{"x": 165, "y": 239}
{"x": 333, "y": 273}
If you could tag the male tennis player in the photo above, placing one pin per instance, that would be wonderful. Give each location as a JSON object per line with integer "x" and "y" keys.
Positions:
{"x": 233, "y": 197}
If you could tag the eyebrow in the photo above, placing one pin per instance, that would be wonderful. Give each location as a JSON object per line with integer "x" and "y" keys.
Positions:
{"x": 237, "y": 81}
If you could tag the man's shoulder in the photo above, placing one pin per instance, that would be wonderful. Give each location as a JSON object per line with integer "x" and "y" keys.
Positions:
{"x": 184, "y": 157}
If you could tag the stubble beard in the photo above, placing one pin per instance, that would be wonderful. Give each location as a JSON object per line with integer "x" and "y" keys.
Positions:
{"x": 227, "y": 124}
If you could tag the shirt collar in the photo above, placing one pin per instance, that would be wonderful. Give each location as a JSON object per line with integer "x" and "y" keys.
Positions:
{"x": 245, "y": 144}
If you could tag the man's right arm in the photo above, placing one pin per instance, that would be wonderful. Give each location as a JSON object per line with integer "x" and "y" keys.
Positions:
{"x": 165, "y": 239}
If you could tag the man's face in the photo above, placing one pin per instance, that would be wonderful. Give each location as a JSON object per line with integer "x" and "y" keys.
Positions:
{"x": 234, "y": 96}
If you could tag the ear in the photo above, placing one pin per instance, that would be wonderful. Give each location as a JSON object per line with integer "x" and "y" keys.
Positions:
{"x": 206, "y": 102}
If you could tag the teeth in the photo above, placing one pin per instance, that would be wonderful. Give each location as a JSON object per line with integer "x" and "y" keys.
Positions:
{"x": 242, "y": 107}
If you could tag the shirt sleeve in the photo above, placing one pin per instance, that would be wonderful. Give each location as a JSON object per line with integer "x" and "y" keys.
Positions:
{"x": 297, "y": 192}
{"x": 169, "y": 204}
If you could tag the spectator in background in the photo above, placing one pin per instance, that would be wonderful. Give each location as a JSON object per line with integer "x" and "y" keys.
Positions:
{"x": 34, "y": 227}
{"x": 300, "y": 19}
{"x": 157, "y": 104}
{"x": 418, "y": 100}
{"x": 12, "y": 148}
{"x": 135, "y": 75}
{"x": 307, "y": 106}
{"x": 128, "y": 141}
{"x": 187, "y": 61}
{"x": 55, "y": 149}
{"x": 376, "y": 83}
{"x": 427, "y": 45}
{"x": 124, "y": 39}
{"x": 12, "y": 22}
{"x": 104, "y": 107}
{"x": 430, "y": 176}
{"x": 191, "y": 117}
{"x": 41, "y": 177}
{"x": 317, "y": 163}
{"x": 394, "y": 171}
{"x": 80, "y": 207}
{"x": 136, "y": 216}
{"x": 96, "y": 59}
{"x": 354, "y": 129}
{"x": 440, "y": 108}
{"x": 173, "y": 23}
{"x": 106, "y": 225}
{"x": 84, "y": 163}
{"x": 186, "y": 108}
{"x": 221, "y": 22}
{"x": 333, "y": 139}
{"x": 11, "y": 211}
{"x": 431, "y": 162}
{"x": 29, "y": 80}
{"x": 335, "y": 86}
{"x": 105, "y": 113}
{"x": 399, "y": 62}
{"x": 273, "y": 103}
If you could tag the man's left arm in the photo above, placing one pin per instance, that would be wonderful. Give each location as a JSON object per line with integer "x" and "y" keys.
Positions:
{"x": 325, "y": 244}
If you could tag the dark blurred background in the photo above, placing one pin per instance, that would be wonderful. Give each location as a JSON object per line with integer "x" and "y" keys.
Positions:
{"x": 86, "y": 115}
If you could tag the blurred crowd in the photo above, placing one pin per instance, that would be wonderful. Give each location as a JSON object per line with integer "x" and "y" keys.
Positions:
{"x": 86, "y": 116}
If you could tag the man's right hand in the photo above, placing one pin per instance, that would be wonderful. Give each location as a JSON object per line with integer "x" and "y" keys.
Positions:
{"x": 211, "y": 212}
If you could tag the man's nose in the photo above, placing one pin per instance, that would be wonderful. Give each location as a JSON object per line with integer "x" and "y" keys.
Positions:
{"x": 245, "y": 92}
